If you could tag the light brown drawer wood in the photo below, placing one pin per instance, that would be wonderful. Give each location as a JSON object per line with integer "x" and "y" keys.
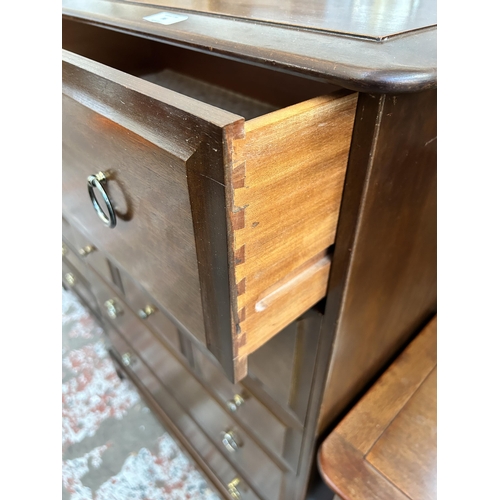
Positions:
{"x": 225, "y": 222}
{"x": 181, "y": 426}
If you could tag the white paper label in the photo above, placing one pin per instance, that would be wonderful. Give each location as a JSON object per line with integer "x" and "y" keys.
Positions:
{"x": 165, "y": 18}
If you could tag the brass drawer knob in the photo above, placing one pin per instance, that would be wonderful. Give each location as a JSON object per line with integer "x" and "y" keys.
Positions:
{"x": 86, "y": 250}
{"x": 64, "y": 250}
{"x": 147, "y": 311}
{"x": 232, "y": 488}
{"x": 112, "y": 308}
{"x": 128, "y": 359}
{"x": 70, "y": 279}
{"x": 235, "y": 403}
{"x": 231, "y": 441}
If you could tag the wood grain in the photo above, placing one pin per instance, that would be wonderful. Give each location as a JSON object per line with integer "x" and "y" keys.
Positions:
{"x": 346, "y": 472}
{"x": 369, "y": 419}
{"x": 403, "y": 64}
{"x": 264, "y": 198}
{"x": 391, "y": 432}
{"x": 154, "y": 242}
{"x": 285, "y": 203}
{"x": 407, "y": 451}
{"x": 383, "y": 280}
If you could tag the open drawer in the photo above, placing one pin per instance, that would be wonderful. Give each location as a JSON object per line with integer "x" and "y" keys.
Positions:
{"x": 226, "y": 202}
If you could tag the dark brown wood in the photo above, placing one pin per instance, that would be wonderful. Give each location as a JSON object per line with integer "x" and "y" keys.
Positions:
{"x": 383, "y": 279}
{"x": 182, "y": 427}
{"x": 269, "y": 431}
{"x": 165, "y": 157}
{"x": 288, "y": 189}
{"x": 92, "y": 143}
{"x": 362, "y": 19}
{"x": 74, "y": 280}
{"x": 386, "y": 446}
{"x": 391, "y": 393}
{"x": 259, "y": 470}
{"x": 139, "y": 300}
{"x": 359, "y": 481}
{"x": 263, "y": 86}
{"x": 95, "y": 259}
{"x": 401, "y": 64}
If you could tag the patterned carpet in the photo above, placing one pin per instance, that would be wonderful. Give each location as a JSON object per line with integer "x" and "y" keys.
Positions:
{"x": 113, "y": 448}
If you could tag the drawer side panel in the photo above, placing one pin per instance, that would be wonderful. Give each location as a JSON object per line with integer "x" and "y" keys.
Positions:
{"x": 287, "y": 180}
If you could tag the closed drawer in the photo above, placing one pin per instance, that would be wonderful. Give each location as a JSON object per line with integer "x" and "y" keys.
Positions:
{"x": 150, "y": 312}
{"x": 180, "y": 424}
{"x": 95, "y": 258}
{"x": 263, "y": 475}
{"x": 225, "y": 222}
{"x": 118, "y": 313}
{"x": 75, "y": 281}
{"x": 246, "y": 408}
{"x": 75, "y": 262}
{"x": 254, "y": 465}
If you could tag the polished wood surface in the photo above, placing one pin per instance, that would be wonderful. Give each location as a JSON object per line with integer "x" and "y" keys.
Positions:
{"x": 400, "y": 64}
{"x": 389, "y": 396}
{"x": 367, "y": 19}
{"x": 386, "y": 445}
{"x": 260, "y": 471}
{"x": 274, "y": 182}
{"x": 139, "y": 300}
{"x": 154, "y": 237}
{"x": 210, "y": 461}
{"x": 267, "y": 428}
{"x": 185, "y": 111}
{"x": 383, "y": 279}
{"x": 406, "y": 452}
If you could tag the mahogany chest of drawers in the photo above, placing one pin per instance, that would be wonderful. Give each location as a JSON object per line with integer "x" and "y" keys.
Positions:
{"x": 250, "y": 215}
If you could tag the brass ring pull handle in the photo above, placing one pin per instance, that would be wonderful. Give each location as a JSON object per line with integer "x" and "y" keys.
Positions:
{"x": 97, "y": 181}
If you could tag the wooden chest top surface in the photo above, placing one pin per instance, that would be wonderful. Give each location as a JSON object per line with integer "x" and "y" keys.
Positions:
{"x": 365, "y": 18}
{"x": 374, "y": 47}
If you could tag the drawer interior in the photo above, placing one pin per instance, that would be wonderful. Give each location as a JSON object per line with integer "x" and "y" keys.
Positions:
{"x": 233, "y": 86}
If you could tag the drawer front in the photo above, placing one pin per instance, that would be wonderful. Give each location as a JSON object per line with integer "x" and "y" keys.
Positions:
{"x": 197, "y": 193}
{"x": 156, "y": 244}
{"x": 67, "y": 232}
{"x": 182, "y": 427}
{"x": 246, "y": 408}
{"x": 261, "y": 473}
{"x": 74, "y": 280}
{"x": 95, "y": 258}
{"x": 75, "y": 262}
{"x": 150, "y": 313}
